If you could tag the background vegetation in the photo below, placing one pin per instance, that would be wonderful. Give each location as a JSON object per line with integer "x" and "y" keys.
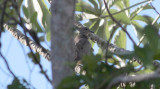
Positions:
{"x": 117, "y": 26}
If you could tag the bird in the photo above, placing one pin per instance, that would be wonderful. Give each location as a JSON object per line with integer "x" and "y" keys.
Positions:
{"x": 82, "y": 44}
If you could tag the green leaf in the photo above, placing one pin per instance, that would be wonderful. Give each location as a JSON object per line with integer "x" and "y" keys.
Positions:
{"x": 151, "y": 46}
{"x": 48, "y": 36}
{"x": 25, "y": 11}
{"x": 19, "y": 2}
{"x": 139, "y": 29}
{"x": 145, "y": 54}
{"x": 139, "y": 9}
{"x": 120, "y": 39}
{"x": 94, "y": 2}
{"x": 144, "y": 18}
{"x": 32, "y": 16}
{"x": 32, "y": 57}
{"x": 147, "y": 84}
{"x": 115, "y": 2}
{"x": 31, "y": 8}
{"x": 85, "y": 16}
{"x": 35, "y": 25}
{"x": 102, "y": 32}
{"x": 46, "y": 14}
{"x": 119, "y": 4}
{"x": 46, "y": 18}
{"x": 86, "y": 7}
{"x": 152, "y": 37}
{"x": 120, "y": 17}
{"x": 110, "y": 61}
{"x": 107, "y": 25}
{"x": 101, "y": 4}
{"x": 90, "y": 62}
{"x": 16, "y": 85}
{"x": 126, "y": 2}
{"x": 95, "y": 25}
{"x": 71, "y": 82}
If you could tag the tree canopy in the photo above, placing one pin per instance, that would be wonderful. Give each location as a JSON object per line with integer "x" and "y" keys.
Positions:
{"x": 126, "y": 41}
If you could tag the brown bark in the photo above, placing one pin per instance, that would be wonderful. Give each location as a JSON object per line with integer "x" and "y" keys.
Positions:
{"x": 62, "y": 51}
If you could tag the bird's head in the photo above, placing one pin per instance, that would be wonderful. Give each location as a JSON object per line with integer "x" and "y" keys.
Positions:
{"x": 85, "y": 31}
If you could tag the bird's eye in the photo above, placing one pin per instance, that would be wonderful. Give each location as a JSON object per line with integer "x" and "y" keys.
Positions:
{"x": 86, "y": 29}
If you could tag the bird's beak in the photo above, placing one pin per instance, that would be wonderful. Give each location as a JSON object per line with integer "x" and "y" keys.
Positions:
{"x": 91, "y": 31}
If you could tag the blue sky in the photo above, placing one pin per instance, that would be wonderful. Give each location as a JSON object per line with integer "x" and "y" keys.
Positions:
{"x": 21, "y": 65}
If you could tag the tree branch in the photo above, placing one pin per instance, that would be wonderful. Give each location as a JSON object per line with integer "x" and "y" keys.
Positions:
{"x": 101, "y": 42}
{"x": 111, "y": 48}
{"x": 46, "y": 53}
{"x": 136, "y": 78}
{"x": 9, "y": 69}
{"x": 22, "y": 38}
{"x": 114, "y": 20}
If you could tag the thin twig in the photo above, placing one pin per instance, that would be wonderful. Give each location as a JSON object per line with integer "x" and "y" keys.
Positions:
{"x": 9, "y": 69}
{"x": 34, "y": 57}
{"x": 27, "y": 40}
{"x": 112, "y": 33}
{"x": 114, "y": 20}
{"x": 154, "y": 9}
{"x": 124, "y": 9}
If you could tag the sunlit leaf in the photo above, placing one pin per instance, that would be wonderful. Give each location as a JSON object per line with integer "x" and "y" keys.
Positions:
{"x": 102, "y": 32}
{"x": 85, "y": 16}
{"x": 120, "y": 39}
{"x": 126, "y": 2}
{"x": 138, "y": 29}
{"x": 95, "y": 25}
{"x": 120, "y": 17}
{"x": 45, "y": 18}
{"x": 139, "y": 9}
{"x": 94, "y": 2}
{"x": 86, "y": 7}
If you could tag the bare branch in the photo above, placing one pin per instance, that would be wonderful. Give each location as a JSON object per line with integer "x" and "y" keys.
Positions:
{"x": 154, "y": 9}
{"x": 136, "y": 78}
{"x": 46, "y": 53}
{"x": 7, "y": 65}
{"x": 101, "y": 42}
{"x": 21, "y": 37}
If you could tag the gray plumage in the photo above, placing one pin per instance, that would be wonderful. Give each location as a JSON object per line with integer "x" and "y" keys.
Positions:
{"x": 83, "y": 46}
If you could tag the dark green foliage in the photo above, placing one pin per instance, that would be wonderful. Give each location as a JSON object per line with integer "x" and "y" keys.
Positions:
{"x": 151, "y": 50}
{"x": 95, "y": 73}
{"x": 71, "y": 82}
{"x": 16, "y": 84}
{"x": 37, "y": 60}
